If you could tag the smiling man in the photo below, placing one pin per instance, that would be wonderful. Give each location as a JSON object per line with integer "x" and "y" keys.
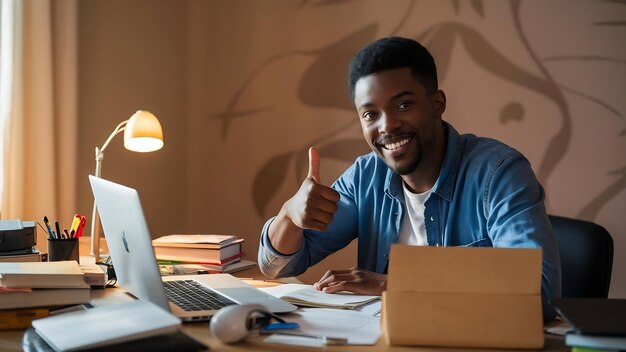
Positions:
{"x": 423, "y": 184}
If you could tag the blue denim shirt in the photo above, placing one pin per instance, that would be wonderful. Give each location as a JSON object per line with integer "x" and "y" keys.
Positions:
{"x": 486, "y": 195}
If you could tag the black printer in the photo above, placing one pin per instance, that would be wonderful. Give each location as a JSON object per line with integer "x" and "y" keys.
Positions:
{"x": 16, "y": 235}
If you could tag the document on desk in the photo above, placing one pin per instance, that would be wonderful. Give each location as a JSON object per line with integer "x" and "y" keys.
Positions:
{"x": 105, "y": 325}
{"x": 323, "y": 326}
{"x": 307, "y": 296}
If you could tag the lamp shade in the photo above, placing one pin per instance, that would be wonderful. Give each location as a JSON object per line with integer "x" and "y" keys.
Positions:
{"x": 143, "y": 132}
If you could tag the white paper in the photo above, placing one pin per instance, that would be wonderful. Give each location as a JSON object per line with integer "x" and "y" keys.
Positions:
{"x": 357, "y": 327}
{"x": 306, "y": 295}
{"x": 294, "y": 340}
{"x": 557, "y": 327}
{"x": 372, "y": 308}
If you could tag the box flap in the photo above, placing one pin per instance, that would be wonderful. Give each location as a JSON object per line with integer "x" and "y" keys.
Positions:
{"x": 465, "y": 269}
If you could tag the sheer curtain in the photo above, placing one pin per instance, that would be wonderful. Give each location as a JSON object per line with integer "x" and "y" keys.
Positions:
{"x": 38, "y": 109}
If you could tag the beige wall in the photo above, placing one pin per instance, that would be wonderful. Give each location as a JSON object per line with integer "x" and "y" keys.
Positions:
{"x": 243, "y": 87}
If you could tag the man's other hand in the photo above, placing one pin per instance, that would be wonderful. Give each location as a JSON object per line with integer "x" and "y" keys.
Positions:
{"x": 314, "y": 205}
{"x": 354, "y": 280}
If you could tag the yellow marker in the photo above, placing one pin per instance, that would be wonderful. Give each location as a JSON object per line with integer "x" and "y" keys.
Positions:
{"x": 75, "y": 222}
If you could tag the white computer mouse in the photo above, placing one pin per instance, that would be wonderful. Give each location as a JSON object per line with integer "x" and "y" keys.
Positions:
{"x": 233, "y": 323}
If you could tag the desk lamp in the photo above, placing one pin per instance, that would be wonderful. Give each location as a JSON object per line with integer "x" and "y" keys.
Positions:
{"x": 142, "y": 133}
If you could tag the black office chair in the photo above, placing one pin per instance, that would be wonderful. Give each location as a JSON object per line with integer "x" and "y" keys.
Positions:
{"x": 586, "y": 257}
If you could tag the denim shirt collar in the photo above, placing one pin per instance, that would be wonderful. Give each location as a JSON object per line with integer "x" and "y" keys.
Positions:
{"x": 444, "y": 187}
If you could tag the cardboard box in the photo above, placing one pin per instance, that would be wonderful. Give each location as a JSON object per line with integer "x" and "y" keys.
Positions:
{"x": 463, "y": 297}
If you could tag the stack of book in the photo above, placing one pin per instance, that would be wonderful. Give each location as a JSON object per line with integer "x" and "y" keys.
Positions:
{"x": 212, "y": 253}
{"x": 28, "y": 290}
{"x": 23, "y": 255}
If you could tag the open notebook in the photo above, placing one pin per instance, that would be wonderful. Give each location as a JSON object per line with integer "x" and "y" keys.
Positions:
{"x": 307, "y": 296}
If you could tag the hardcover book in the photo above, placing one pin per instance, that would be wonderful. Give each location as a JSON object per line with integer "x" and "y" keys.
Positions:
{"x": 12, "y": 319}
{"x": 27, "y": 298}
{"x": 64, "y": 274}
{"x": 199, "y": 255}
{"x": 196, "y": 241}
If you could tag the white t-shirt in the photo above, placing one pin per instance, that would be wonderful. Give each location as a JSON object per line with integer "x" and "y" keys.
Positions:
{"x": 413, "y": 229}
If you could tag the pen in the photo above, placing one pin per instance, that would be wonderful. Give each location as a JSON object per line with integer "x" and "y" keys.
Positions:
{"x": 50, "y": 231}
{"x": 81, "y": 225}
{"x": 67, "y": 234}
{"x": 56, "y": 224}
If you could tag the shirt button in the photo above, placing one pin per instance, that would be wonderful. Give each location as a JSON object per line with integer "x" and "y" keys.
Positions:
{"x": 386, "y": 256}
{"x": 431, "y": 219}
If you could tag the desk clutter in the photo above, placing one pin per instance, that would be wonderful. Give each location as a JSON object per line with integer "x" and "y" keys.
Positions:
{"x": 597, "y": 323}
{"x": 30, "y": 290}
{"x": 201, "y": 253}
{"x": 17, "y": 242}
{"x": 131, "y": 326}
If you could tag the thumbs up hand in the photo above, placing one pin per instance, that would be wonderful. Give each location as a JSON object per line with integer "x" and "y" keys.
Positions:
{"x": 314, "y": 205}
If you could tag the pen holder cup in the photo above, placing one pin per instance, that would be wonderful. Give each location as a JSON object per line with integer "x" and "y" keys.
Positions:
{"x": 62, "y": 249}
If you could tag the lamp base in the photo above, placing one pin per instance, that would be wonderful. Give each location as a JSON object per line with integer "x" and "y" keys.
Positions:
{"x": 84, "y": 245}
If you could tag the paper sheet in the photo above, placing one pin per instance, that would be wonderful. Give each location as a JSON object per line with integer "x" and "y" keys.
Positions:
{"x": 357, "y": 327}
{"x": 372, "y": 308}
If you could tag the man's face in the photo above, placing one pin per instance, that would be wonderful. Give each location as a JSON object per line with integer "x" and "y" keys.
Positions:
{"x": 399, "y": 118}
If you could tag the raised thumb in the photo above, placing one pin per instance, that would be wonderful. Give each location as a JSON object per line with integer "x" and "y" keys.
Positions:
{"x": 314, "y": 165}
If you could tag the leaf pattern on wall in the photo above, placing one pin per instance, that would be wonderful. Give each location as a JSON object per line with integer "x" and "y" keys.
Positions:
{"x": 345, "y": 149}
{"x": 439, "y": 39}
{"x": 512, "y": 112}
{"x": 590, "y": 211}
{"x": 323, "y": 86}
{"x": 490, "y": 59}
{"x": 478, "y": 6}
{"x": 268, "y": 180}
{"x": 324, "y": 82}
{"x": 342, "y": 149}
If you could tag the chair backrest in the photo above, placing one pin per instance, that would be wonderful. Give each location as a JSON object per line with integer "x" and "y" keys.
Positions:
{"x": 586, "y": 251}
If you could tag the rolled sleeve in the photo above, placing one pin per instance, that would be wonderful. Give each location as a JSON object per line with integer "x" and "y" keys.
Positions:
{"x": 274, "y": 264}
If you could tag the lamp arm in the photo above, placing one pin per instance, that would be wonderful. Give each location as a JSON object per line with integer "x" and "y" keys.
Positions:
{"x": 120, "y": 128}
{"x": 95, "y": 221}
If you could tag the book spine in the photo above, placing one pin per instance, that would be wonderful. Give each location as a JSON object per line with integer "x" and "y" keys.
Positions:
{"x": 174, "y": 259}
{"x": 13, "y": 319}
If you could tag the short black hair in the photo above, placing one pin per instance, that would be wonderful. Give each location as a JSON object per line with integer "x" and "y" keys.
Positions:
{"x": 390, "y": 53}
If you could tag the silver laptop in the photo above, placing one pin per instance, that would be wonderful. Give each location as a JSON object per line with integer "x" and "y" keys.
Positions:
{"x": 190, "y": 297}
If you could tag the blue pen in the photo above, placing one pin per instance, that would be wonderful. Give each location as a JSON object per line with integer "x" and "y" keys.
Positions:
{"x": 50, "y": 231}
{"x": 280, "y": 326}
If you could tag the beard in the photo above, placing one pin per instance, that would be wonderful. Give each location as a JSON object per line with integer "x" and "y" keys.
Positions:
{"x": 410, "y": 167}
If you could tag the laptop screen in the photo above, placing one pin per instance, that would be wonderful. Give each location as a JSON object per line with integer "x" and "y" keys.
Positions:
{"x": 129, "y": 240}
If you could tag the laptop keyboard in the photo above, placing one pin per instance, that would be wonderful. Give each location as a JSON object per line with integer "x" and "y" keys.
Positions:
{"x": 191, "y": 295}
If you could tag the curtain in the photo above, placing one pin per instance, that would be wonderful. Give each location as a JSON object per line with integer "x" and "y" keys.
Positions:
{"x": 39, "y": 109}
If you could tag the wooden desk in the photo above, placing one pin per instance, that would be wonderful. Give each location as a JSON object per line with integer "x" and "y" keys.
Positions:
{"x": 10, "y": 340}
